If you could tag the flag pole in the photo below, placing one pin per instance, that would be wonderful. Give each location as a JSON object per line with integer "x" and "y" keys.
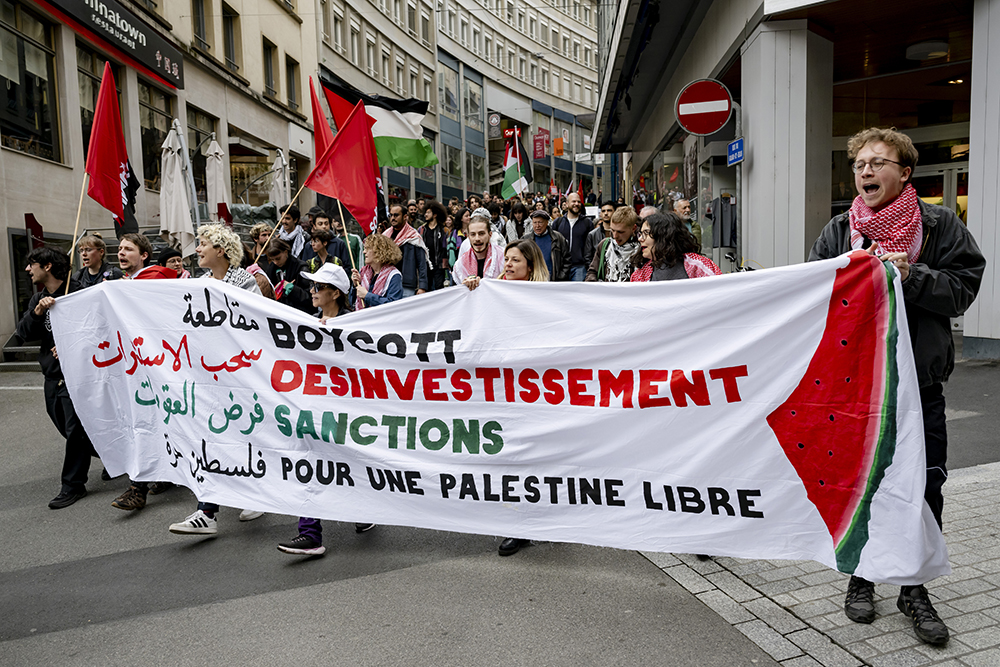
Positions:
{"x": 76, "y": 228}
{"x": 290, "y": 204}
{"x": 347, "y": 237}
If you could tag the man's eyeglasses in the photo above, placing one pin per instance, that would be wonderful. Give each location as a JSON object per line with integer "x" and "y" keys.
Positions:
{"x": 876, "y": 164}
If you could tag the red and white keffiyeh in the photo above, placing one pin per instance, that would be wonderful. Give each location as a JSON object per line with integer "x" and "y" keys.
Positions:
{"x": 695, "y": 266}
{"x": 896, "y": 228}
{"x": 381, "y": 282}
{"x": 466, "y": 265}
{"x": 407, "y": 234}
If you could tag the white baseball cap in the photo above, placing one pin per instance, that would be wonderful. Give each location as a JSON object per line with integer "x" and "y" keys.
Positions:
{"x": 330, "y": 274}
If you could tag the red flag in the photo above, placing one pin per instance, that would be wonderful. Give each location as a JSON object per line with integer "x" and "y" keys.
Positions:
{"x": 107, "y": 159}
{"x": 580, "y": 192}
{"x": 322, "y": 134}
{"x": 353, "y": 182}
{"x": 673, "y": 176}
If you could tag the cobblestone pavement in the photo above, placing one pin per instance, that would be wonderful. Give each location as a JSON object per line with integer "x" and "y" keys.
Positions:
{"x": 793, "y": 610}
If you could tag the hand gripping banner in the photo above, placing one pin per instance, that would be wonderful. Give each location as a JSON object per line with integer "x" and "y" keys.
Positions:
{"x": 772, "y": 414}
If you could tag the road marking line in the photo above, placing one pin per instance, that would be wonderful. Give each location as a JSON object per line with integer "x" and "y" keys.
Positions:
{"x": 20, "y": 388}
{"x": 951, "y": 415}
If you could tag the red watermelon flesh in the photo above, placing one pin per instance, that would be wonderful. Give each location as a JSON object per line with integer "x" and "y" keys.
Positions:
{"x": 831, "y": 426}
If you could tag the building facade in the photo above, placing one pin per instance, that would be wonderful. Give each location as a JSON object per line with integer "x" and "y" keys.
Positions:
{"x": 805, "y": 76}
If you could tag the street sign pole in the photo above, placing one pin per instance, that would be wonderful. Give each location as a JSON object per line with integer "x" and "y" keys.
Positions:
{"x": 738, "y": 110}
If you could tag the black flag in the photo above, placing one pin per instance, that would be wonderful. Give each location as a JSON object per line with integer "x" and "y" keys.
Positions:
{"x": 130, "y": 186}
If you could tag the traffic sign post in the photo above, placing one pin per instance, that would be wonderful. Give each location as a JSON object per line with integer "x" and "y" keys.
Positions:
{"x": 703, "y": 107}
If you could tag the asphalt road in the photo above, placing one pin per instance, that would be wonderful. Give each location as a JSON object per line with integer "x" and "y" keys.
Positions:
{"x": 92, "y": 585}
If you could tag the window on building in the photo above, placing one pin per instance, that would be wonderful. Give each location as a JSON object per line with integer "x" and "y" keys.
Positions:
{"x": 475, "y": 173}
{"x": 370, "y": 55}
{"x": 29, "y": 121}
{"x": 400, "y": 85}
{"x": 425, "y": 28}
{"x": 488, "y": 48}
{"x": 555, "y": 39}
{"x": 576, "y": 10}
{"x": 355, "y": 37}
{"x": 338, "y": 32}
{"x": 200, "y": 23}
{"x": 413, "y": 83}
{"x": 510, "y": 62}
{"x": 324, "y": 10}
{"x": 586, "y": 15}
{"x": 463, "y": 32}
{"x": 200, "y": 127}
{"x": 270, "y": 78}
{"x": 156, "y": 111}
{"x": 451, "y": 22}
{"x": 586, "y": 56}
{"x": 451, "y": 166}
{"x": 448, "y": 91}
{"x": 472, "y": 98}
{"x": 510, "y": 13}
{"x": 397, "y": 11}
{"x": 565, "y": 46}
{"x": 576, "y": 51}
{"x": 545, "y": 34}
{"x": 90, "y": 69}
{"x": 520, "y": 22}
{"x": 534, "y": 75}
{"x": 500, "y": 55}
{"x": 477, "y": 42}
{"x": 532, "y": 27}
{"x": 579, "y": 92}
{"x": 428, "y": 92}
{"x": 520, "y": 68}
{"x": 545, "y": 79}
{"x": 292, "y": 82}
{"x": 231, "y": 37}
{"x": 411, "y": 18}
{"x": 385, "y": 69}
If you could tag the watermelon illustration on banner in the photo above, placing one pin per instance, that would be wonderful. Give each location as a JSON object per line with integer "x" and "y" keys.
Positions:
{"x": 838, "y": 428}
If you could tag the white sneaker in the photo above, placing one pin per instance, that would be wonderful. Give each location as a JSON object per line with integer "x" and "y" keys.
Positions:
{"x": 250, "y": 515}
{"x": 198, "y": 523}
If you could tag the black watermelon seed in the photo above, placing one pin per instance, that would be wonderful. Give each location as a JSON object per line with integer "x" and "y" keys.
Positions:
{"x": 793, "y": 413}
{"x": 830, "y": 452}
{"x": 831, "y": 417}
{"x": 822, "y": 483}
{"x": 843, "y": 342}
{"x": 847, "y": 379}
{"x": 801, "y": 446}
{"x": 844, "y": 301}
{"x": 817, "y": 382}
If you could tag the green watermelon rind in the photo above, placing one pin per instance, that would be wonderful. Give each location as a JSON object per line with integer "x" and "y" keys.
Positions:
{"x": 848, "y": 551}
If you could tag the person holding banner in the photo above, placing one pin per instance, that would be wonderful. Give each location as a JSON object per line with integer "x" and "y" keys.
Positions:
{"x": 221, "y": 252}
{"x": 379, "y": 281}
{"x": 479, "y": 258}
{"x": 283, "y": 271}
{"x": 135, "y": 254}
{"x": 49, "y": 269}
{"x": 95, "y": 269}
{"x": 522, "y": 261}
{"x": 612, "y": 261}
{"x": 329, "y": 291}
{"x": 414, "y": 263}
{"x": 669, "y": 252}
{"x": 940, "y": 267}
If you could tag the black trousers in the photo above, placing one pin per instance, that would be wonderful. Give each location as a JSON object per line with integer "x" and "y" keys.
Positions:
{"x": 79, "y": 449}
{"x": 936, "y": 446}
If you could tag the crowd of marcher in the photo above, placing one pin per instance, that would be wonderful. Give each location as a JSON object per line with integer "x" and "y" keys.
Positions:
{"x": 314, "y": 264}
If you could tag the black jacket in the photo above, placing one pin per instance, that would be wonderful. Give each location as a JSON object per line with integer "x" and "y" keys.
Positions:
{"x": 107, "y": 272}
{"x": 297, "y": 295}
{"x": 35, "y": 328}
{"x": 594, "y": 239}
{"x": 560, "y": 252}
{"x": 413, "y": 267}
{"x": 337, "y": 247}
{"x": 578, "y": 242}
{"x": 942, "y": 284}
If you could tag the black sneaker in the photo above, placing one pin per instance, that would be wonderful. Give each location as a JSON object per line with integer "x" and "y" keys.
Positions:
{"x": 66, "y": 498}
{"x": 159, "y": 487}
{"x": 927, "y": 625}
{"x": 106, "y": 476}
{"x": 859, "y": 605}
{"x": 302, "y": 545}
{"x": 363, "y": 527}
{"x": 511, "y": 545}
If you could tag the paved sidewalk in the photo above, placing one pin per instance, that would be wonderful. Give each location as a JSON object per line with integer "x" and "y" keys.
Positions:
{"x": 793, "y": 610}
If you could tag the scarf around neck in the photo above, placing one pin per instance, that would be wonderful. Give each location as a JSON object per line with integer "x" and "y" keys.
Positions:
{"x": 695, "y": 266}
{"x": 896, "y": 228}
{"x": 381, "y": 281}
{"x": 618, "y": 260}
{"x": 407, "y": 234}
{"x": 296, "y": 238}
{"x": 467, "y": 264}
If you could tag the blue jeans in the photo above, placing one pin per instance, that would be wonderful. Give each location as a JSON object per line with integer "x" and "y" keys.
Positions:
{"x": 409, "y": 292}
{"x": 577, "y": 272}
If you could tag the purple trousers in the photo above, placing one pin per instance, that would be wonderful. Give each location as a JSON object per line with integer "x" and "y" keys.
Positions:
{"x": 311, "y": 528}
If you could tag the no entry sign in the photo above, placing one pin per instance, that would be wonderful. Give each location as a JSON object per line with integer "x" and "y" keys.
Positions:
{"x": 703, "y": 107}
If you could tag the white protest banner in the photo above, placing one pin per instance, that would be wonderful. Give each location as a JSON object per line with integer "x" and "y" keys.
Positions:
{"x": 772, "y": 414}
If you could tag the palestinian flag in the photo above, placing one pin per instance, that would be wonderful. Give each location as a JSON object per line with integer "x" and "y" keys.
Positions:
{"x": 516, "y": 170}
{"x": 399, "y": 137}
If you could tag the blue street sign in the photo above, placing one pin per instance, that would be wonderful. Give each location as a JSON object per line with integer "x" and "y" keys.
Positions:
{"x": 735, "y": 153}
